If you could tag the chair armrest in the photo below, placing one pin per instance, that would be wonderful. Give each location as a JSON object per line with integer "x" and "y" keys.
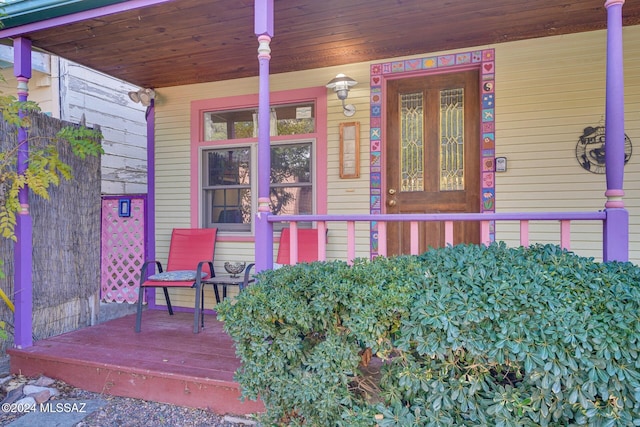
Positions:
{"x": 247, "y": 275}
{"x": 199, "y": 272}
{"x": 145, "y": 267}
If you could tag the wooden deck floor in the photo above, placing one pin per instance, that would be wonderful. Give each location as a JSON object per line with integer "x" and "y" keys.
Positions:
{"x": 166, "y": 362}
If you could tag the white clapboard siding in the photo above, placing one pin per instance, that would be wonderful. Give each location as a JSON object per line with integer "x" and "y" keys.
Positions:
{"x": 104, "y": 100}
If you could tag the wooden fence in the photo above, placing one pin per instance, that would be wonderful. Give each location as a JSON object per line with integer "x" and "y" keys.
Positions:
{"x": 66, "y": 242}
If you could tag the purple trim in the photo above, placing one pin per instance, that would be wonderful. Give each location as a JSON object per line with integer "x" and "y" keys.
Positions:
{"x": 615, "y": 239}
{"x": 487, "y": 216}
{"x": 263, "y": 20}
{"x": 80, "y": 16}
{"x": 614, "y": 119}
{"x": 615, "y": 236}
{"x": 23, "y": 252}
{"x": 150, "y": 207}
{"x": 263, "y": 228}
{"x": 120, "y": 196}
{"x": 22, "y": 57}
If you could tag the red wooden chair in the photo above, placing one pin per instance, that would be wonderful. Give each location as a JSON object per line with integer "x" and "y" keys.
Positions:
{"x": 190, "y": 262}
{"x": 307, "y": 246}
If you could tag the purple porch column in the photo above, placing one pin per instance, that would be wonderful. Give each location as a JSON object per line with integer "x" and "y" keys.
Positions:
{"x": 616, "y": 226}
{"x": 150, "y": 208}
{"x": 23, "y": 250}
{"x": 264, "y": 229}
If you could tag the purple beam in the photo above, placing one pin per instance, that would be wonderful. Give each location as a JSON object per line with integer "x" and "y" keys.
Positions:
{"x": 487, "y": 216}
{"x": 23, "y": 251}
{"x": 616, "y": 226}
{"x": 150, "y": 217}
{"x": 77, "y": 17}
{"x": 264, "y": 229}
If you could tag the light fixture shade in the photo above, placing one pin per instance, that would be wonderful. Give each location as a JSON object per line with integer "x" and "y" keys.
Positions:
{"x": 143, "y": 96}
{"x": 134, "y": 96}
{"x": 146, "y": 95}
{"x": 341, "y": 83}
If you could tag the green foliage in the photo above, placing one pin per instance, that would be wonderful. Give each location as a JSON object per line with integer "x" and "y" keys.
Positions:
{"x": 468, "y": 335}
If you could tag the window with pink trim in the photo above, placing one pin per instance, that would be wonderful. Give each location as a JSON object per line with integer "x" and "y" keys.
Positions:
{"x": 226, "y": 154}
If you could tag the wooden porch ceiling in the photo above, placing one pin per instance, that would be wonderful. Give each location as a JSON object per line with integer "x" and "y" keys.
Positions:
{"x": 192, "y": 41}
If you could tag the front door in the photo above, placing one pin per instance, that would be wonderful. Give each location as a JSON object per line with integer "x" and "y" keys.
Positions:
{"x": 433, "y": 156}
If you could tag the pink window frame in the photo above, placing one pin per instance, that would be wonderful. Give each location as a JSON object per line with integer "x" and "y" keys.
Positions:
{"x": 317, "y": 95}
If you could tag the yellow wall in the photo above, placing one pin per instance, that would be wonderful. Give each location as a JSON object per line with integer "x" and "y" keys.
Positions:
{"x": 547, "y": 91}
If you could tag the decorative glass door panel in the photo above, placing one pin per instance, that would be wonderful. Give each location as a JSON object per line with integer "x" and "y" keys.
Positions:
{"x": 433, "y": 155}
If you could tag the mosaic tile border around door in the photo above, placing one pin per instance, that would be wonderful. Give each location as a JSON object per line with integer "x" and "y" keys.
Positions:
{"x": 484, "y": 60}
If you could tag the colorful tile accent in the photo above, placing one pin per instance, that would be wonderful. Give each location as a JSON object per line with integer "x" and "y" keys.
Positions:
{"x": 488, "y": 141}
{"x": 375, "y": 161}
{"x": 487, "y": 115}
{"x": 412, "y": 64}
{"x": 376, "y": 178}
{"x": 397, "y": 67}
{"x": 431, "y": 62}
{"x": 487, "y": 100}
{"x": 485, "y": 60}
{"x": 463, "y": 58}
{"x": 446, "y": 60}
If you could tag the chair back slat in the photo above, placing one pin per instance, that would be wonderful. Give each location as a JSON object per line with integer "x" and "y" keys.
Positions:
{"x": 307, "y": 246}
{"x": 189, "y": 246}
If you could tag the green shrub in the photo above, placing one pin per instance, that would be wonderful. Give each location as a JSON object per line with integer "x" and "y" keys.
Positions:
{"x": 469, "y": 335}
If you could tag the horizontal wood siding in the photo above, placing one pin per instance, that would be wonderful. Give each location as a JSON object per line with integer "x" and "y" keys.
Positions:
{"x": 104, "y": 100}
{"x": 547, "y": 91}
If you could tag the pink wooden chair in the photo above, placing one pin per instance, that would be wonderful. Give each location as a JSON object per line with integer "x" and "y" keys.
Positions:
{"x": 307, "y": 246}
{"x": 190, "y": 262}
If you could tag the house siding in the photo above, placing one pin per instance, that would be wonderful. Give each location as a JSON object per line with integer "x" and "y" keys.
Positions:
{"x": 547, "y": 91}
{"x": 72, "y": 92}
{"x": 103, "y": 100}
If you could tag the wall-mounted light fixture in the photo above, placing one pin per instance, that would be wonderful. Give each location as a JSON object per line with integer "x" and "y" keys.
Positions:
{"x": 143, "y": 96}
{"x": 341, "y": 85}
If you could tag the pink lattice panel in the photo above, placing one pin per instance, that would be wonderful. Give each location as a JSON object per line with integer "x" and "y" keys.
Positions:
{"x": 123, "y": 252}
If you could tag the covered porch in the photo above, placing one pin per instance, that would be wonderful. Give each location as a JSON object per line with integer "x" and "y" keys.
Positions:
{"x": 147, "y": 363}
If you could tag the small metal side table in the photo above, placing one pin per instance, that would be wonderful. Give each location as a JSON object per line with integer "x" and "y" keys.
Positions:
{"x": 225, "y": 280}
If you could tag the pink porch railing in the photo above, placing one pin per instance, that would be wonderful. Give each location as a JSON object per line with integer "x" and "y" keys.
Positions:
{"x": 563, "y": 218}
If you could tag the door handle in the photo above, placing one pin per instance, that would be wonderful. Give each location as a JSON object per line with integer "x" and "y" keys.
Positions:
{"x": 392, "y": 203}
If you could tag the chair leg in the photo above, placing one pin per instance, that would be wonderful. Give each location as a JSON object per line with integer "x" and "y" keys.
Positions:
{"x": 215, "y": 291}
{"x": 139, "y": 309}
{"x": 196, "y": 314}
{"x": 202, "y": 306}
{"x": 166, "y": 297}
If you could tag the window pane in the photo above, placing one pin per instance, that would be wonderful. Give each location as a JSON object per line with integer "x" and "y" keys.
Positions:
{"x": 452, "y": 139}
{"x": 227, "y": 191}
{"x": 292, "y": 200}
{"x": 412, "y": 142}
{"x": 229, "y": 167}
{"x": 219, "y": 126}
{"x": 294, "y": 119}
{"x": 229, "y": 206}
{"x": 291, "y": 163}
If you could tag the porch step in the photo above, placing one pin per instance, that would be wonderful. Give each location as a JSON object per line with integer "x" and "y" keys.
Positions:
{"x": 166, "y": 362}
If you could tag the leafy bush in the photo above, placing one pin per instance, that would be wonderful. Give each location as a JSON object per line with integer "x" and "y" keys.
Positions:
{"x": 469, "y": 335}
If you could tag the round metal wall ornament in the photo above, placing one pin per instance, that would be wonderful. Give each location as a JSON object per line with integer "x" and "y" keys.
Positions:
{"x": 590, "y": 149}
